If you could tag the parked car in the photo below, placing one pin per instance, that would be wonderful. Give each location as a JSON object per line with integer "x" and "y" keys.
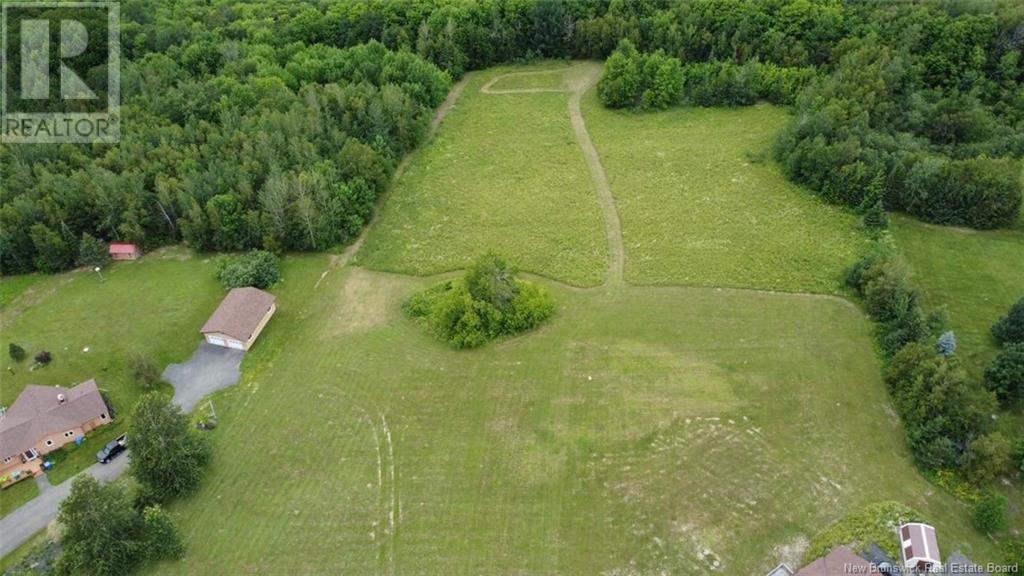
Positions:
{"x": 112, "y": 449}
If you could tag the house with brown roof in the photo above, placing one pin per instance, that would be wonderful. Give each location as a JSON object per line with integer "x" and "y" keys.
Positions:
{"x": 240, "y": 318}
{"x": 43, "y": 419}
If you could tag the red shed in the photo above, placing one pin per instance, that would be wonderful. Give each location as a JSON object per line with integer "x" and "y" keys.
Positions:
{"x": 120, "y": 251}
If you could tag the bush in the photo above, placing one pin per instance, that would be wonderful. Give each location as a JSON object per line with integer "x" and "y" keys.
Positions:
{"x": 987, "y": 458}
{"x": 990, "y": 513}
{"x": 43, "y": 358}
{"x": 978, "y": 192}
{"x": 946, "y": 344}
{"x": 632, "y": 79}
{"x": 487, "y": 302}
{"x": 1005, "y": 375}
{"x": 16, "y": 352}
{"x": 1010, "y": 328}
{"x": 162, "y": 540}
{"x": 882, "y": 280}
{"x": 143, "y": 370}
{"x": 872, "y": 524}
{"x": 258, "y": 268}
{"x": 92, "y": 252}
{"x": 942, "y": 410}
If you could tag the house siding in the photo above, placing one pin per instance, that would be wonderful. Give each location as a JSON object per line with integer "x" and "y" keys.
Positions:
{"x": 35, "y": 467}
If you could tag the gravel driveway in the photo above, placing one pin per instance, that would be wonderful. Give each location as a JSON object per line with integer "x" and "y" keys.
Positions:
{"x": 210, "y": 368}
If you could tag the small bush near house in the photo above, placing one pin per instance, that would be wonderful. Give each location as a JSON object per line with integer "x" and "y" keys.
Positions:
{"x": 1005, "y": 375}
{"x": 93, "y": 252}
{"x": 874, "y": 523}
{"x": 1010, "y": 328}
{"x": 43, "y": 358}
{"x": 16, "y": 352}
{"x": 143, "y": 370}
{"x": 258, "y": 268}
{"x": 487, "y": 302}
{"x": 990, "y": 513}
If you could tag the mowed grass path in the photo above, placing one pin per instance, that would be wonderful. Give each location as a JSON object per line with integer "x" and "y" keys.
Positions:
{"x": 504, "y": 173}
{"x": 976, "y": 275}
{"x": 637, "y": 430}
{"x": 702, "y": 203}
{"x": 153, "y": 307}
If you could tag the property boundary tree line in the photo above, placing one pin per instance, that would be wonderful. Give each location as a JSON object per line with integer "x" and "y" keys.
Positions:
{"x": 275, "y": 126}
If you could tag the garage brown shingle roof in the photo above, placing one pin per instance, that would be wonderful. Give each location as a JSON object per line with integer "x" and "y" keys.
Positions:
{"x": 240, "y": 313}
{"x": 38, "y": 412}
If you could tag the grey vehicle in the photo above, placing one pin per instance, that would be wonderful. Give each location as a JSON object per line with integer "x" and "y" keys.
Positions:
{"x": 112, "y": 449}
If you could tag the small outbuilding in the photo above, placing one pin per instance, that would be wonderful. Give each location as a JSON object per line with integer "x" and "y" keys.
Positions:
{"x": 123, "y": 251}
{"x": 919, "y": 547}
{"x": 240, "y": 318}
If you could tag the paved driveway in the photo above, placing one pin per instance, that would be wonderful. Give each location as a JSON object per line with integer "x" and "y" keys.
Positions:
{"x": 210, "y": 368}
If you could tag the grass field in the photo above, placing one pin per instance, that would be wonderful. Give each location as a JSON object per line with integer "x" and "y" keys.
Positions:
{"x": 702, "y": 203}
{"x": 503, "y": 172}
{"x": 976, "y": 275}
{"x": 154, "y": 307}
{"x": 635, "y": 432}
{"x": 16, "y": 495}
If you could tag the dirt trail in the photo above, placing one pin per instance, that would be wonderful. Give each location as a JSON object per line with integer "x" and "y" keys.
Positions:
{"x": 342, "y": 259}
{"x": 579, "y": 79}
{"x": 612, "y": 225}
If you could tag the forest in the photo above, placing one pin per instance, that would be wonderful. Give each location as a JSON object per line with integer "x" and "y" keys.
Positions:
{"x": 275, "y": 125}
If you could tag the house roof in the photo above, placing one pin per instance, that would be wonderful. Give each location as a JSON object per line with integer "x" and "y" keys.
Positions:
{"x": 918, "y": 542}
{"x": 122, "y": 248}
{"x": 841, "y": 561}
{"x": 240, "y": 313}
{"x": 38, "y": 412}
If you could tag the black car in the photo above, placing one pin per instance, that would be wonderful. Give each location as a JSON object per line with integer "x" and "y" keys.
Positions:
{"x": 112, "y": 449}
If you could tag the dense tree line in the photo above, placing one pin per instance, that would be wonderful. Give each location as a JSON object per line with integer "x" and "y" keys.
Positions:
{"x": 946, "y": 414}
{"x": 274, "y": 125}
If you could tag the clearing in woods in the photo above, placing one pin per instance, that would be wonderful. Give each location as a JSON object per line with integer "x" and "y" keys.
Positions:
{"x": 642, "y": 430}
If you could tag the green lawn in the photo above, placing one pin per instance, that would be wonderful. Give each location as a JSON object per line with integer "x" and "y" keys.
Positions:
{"x": 16, "y": 495}
{"x": 632, "y": 433}
{"x": 702, "y": 203}
{"x": 13, "y": 286}
{"x": 503, "y": 172}
{"x": 975, "y": 275}
{"x": 154, "y": 306}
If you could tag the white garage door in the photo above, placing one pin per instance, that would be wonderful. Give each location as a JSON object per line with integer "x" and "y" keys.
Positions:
{"x": 216, "y": 341}
{"x": 236, "y": 345}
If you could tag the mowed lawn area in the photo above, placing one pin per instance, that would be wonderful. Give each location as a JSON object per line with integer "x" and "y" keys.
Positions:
{"x": 503, "y": 172}
{"x": 702, "y": 203}
{"x": 153, "y": 307}
{"x": 976, "y": 275}
{"x": 640, "y": 431}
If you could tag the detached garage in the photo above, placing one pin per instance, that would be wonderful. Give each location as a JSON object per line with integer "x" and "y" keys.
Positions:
{"x": 240, "y": 318}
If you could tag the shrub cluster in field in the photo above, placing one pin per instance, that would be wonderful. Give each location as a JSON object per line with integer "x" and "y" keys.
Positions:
{"x": 258, "y": 268}
{"x": 873, "y": 524}
{"x": 945, "y": 413}
{"x": 487, "y": 302}
{"x": 1005, "y": 375}
{"x": 634, "y": 80}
